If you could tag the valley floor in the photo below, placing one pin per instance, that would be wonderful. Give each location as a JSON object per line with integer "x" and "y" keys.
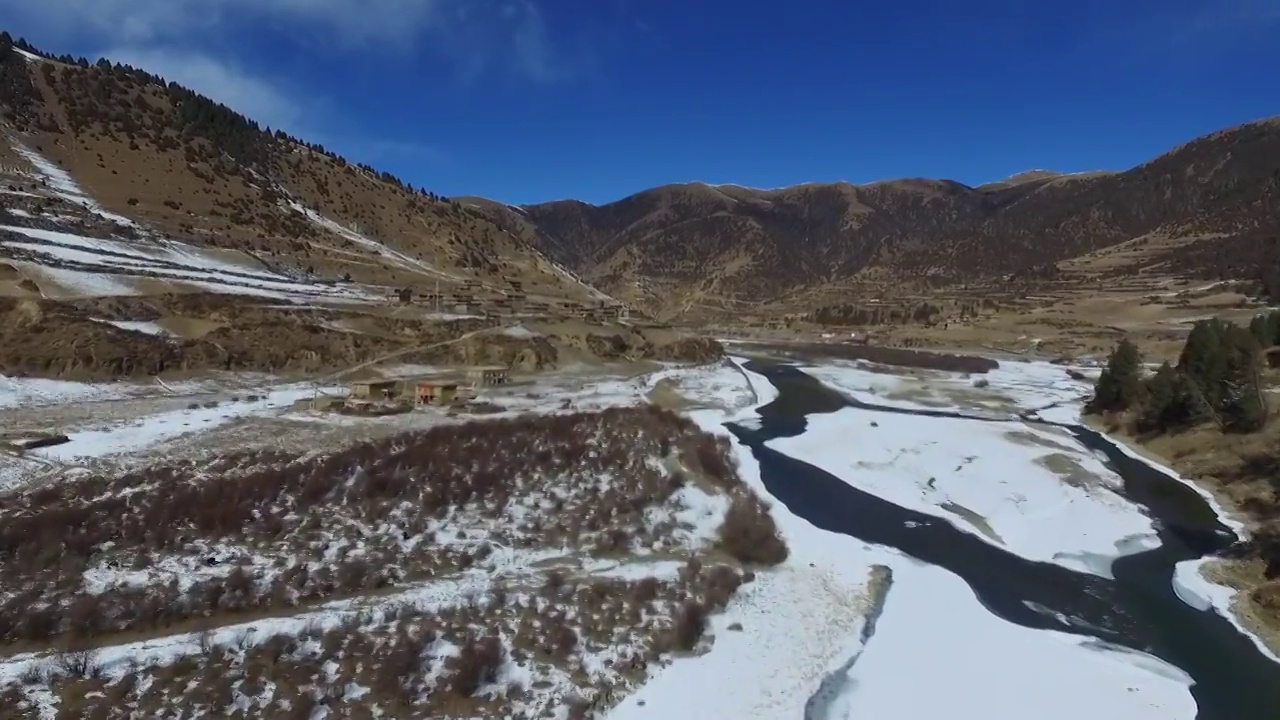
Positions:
{"x": 840, "y": 629}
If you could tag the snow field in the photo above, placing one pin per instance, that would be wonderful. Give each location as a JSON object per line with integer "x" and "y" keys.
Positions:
{"x": 154, "y": 429}
{"x": 1041, "y": 496}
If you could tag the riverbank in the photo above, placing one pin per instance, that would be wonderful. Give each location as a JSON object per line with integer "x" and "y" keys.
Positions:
{"x": 765, "y": 660}
{"x": 1235, "y": 587}
{"x": 1142, "y": 609}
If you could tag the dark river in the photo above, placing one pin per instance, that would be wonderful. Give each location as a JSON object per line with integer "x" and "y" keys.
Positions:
{"x": 1138, "y": 610}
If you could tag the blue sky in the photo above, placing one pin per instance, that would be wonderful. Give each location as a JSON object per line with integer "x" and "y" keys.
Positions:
{"x": 532, "y": 100}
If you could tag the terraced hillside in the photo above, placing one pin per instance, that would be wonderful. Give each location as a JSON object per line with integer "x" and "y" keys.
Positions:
{"x": 155, "y": 160}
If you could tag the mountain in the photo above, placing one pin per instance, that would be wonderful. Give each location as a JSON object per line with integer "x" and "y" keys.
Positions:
{"x": 147, "y": 230}
{"x": 160, "y": 165}
{"x": 1027, "y": 176}
{"x": 1206, "y": 208}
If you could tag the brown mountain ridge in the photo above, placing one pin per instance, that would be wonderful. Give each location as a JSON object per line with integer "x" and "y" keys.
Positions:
{"x": 1209, "y": 208}
{"x": 194, "y": 171}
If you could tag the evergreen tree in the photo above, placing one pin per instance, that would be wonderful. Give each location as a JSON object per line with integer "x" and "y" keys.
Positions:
{"x": 1266, "y": 328}
{"x": 1170, "y": 402}
{"x": 1203, "y": 359}
{"x": 1119, "y": 387}
{"x": 1221, "y": 358}
{"x": 1243, "y": 409}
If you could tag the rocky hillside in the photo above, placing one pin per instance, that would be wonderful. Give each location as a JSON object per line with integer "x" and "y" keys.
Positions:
{"x": 1205, "y": 208}
{"x": 169, "y": 163}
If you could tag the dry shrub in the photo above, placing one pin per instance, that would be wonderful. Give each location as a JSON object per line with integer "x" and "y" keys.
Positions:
{"x": 690, "y": 623}
{"x": 721, "y": 583}
{"x": 555, "y": 581}
{"x": 406, "y": 660}
{"x": 35, "y": 674}
{"x": 711, "y": 454}
{"x": 561, "y": 641}
{"x": 645, "y": 590}
{"x": 82, "y": 664}
{"x": 749, "y": 534}
{"x": 1267, "y": 596}
{"x": 84, "y": 618}
{"x": 120, "y": 690}
{"x": 476, "y": 664}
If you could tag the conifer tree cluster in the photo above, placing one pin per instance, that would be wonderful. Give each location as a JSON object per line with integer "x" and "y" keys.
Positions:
{"x": 1216, "y": 378}
{"x": 1266, "y": 329}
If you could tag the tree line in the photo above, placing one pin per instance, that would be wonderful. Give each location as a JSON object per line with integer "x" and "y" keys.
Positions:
{"x": 1215, "y": 379}
{"x": 195, "y": 115}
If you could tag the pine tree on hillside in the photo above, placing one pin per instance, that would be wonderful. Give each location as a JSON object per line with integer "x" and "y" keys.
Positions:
{"x": 1203, "y": 359}
{"x": 1222, "y": 358}
{"x": 1266, "y": 329}
{"x": 1171, "y": 403}
{"x": 1243, "y": 408}
{"x": 1119, "y": 387}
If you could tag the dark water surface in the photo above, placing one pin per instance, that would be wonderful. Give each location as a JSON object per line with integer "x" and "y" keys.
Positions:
{"x": 1138, "y": 610}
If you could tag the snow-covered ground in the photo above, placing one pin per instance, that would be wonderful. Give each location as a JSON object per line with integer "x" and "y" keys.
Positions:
{"x": 936, "y": 651}
{"x": 1037, "y": 493}
{"x": 507, "y": 547}
{"x": 1033, "y": 490}
{"x": 26, "y": 392}
{"x": 1013, "y": 387}
{"x": 147, "y": 431}
{"x": 143, "y": 326}
{"x": 96, "y": 266}
{"x": 798, "y": 621}
{"x": 796, "y": 627}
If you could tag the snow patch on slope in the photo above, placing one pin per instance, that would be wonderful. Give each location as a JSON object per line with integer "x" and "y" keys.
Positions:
{"x": 64, "y": 186}
{"x": 400, "y": 259}
{"x": 97, "y": 267}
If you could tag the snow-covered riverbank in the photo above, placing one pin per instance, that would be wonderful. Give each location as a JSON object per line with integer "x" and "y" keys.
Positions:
{"x": 937, "y": 650}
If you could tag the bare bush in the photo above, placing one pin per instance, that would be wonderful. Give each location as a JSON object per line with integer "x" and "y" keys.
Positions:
{"x": 35, "y": 674}
{"x": 690, "y": 623}
{"x": 749, "y": 533}
{"x": 82, "y": 663}
{"x": 476, "y": 664}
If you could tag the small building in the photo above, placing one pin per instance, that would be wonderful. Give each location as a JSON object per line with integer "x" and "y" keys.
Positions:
{"x": 327, "y": 403}
{"x": 1273, "y": 357}
{"x": 373, "y": 389}
{"x": 493, "y": 375}
{"x": 435, "y": 392}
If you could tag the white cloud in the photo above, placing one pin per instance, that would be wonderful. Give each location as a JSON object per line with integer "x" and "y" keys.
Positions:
{"x": 532, "y": 44}
{"x": 254, "y": 97}
{"x": 474, "y": 36}
{"x": 148, "y": 21}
